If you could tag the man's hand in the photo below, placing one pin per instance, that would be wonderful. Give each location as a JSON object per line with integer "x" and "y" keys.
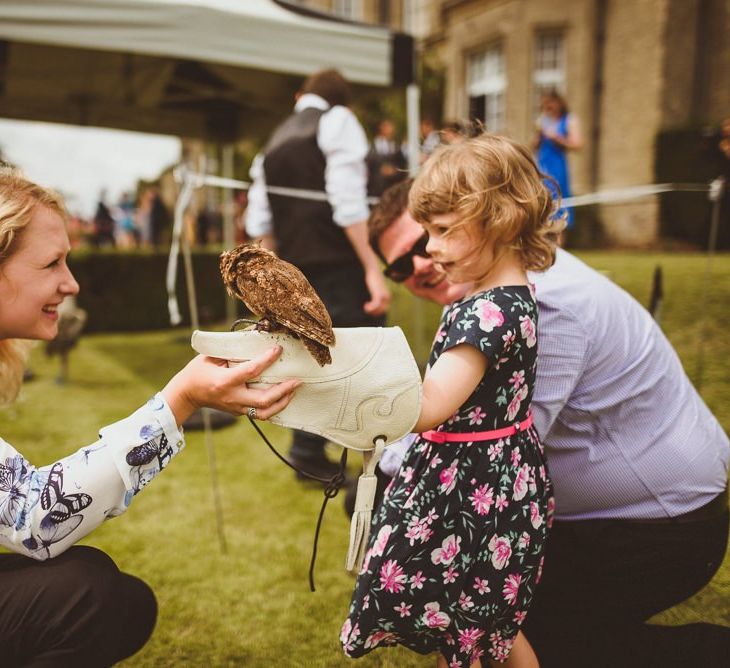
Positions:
{"x": 379, "y": 294}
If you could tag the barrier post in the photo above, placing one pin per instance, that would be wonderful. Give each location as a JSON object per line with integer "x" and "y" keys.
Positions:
{"x": 181, "y": 241}
{"x": 717, "y": 188}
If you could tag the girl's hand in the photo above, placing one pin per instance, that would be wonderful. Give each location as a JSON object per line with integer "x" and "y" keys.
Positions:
{"x": 209, "y": 382}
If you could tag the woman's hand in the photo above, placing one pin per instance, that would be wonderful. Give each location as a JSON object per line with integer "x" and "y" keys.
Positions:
{"x": 209, "y": 382}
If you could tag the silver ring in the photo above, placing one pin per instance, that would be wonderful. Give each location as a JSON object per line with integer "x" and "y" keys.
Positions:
{"x": 251, "y": 413}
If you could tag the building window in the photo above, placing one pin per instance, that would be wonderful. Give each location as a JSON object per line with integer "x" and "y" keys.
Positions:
{"x": 486, "y": 86}
{"x": 549, "y": 70}
{"x": 348, "y": 9}
{"x": 416, "y": 17}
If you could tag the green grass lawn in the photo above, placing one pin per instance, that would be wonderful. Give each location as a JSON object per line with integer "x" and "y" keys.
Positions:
{"x": 252, "y": 606}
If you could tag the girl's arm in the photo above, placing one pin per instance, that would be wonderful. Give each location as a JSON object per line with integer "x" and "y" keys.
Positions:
{"x": 449, "y": 383}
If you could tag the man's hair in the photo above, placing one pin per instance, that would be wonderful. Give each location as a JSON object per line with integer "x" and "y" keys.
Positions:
{"x": 493, "y": 186}
{"x": 393, "y": 202}
{"x": 330, "y": 85}
{"x": 455, "y": 126}
{"x": 19, "y": 199}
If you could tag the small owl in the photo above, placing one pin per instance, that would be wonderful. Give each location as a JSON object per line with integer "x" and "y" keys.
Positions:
{"x": 280, "y": 295}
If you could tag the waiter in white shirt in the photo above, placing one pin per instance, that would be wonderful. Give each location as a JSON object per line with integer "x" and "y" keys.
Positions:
{"x": 321, "y": 147}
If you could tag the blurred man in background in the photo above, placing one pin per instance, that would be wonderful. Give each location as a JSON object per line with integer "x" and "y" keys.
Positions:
{"x": 320, "y": 147}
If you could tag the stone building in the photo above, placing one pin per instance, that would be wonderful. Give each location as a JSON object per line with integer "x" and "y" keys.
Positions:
{"x": 629, "y": 70}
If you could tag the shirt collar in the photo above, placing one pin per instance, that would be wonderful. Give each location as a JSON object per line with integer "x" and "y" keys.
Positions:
{"x": 309, "y": 100}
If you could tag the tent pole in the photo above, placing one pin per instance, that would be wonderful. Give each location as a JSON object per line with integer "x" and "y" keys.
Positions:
{"x": 229, "y": 240}
{"x": 413, "y": 101}
{"x": 413, "y": 121}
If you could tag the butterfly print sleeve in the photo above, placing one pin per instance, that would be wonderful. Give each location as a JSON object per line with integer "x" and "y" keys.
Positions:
{"x": 45, "y": 510}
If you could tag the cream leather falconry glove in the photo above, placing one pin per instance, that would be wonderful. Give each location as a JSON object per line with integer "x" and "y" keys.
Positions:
{"x": 366, "y": 399}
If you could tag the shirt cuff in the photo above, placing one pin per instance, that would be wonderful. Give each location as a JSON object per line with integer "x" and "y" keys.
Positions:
{"x": 351, "y": 219}
{"x": 144, "y": 443}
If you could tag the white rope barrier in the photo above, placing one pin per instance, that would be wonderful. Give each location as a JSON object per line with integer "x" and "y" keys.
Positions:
{"x": 610, "y": 196}
{"x": 191, "y": 180}
{"x": 619, "y": 195}
{"x": 300, "y": 193}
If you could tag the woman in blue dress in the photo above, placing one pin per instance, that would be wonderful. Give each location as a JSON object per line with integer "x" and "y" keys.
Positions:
{"x": 557, "y": 133}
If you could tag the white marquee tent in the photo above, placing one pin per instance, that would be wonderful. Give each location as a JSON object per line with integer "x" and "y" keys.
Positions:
{"x": 205, "y": 68}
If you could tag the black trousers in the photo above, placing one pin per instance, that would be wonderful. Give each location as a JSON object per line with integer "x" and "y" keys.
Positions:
{"x": 603, "y": 579}
{"x": 75, "y": 610}
{"x": 343, "y": 291}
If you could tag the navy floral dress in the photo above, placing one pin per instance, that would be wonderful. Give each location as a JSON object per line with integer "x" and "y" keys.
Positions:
{"x": 456, "y": 546}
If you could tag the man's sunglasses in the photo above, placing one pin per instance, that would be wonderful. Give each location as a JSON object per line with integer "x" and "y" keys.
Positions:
{"x": 401, "y": 269}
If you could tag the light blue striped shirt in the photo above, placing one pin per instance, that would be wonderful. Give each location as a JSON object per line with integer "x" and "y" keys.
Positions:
{"x": 625, "y": 432}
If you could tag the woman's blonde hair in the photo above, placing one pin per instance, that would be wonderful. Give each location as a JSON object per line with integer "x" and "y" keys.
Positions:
{"x": 19, "y": 198}
{"x": 493, "y": 185}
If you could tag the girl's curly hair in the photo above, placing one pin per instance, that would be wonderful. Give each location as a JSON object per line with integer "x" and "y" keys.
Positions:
{"x": 494, "y": 186}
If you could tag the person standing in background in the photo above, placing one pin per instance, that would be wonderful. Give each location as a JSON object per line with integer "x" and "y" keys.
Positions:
{"x": 723, "y": 165}
{"x": 453, "y": 132}
{"x": 430, "y": 138}
{"x": 127, "y": 235}
{"x": 104, "y": 224}
{"x": 558, "y": 131}
{"x": 159, "y": 217}
{"x": 320, "y": 147}
{"x": 385, "y": 161}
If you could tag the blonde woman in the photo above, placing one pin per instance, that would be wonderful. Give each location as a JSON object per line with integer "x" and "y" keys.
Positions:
{"x": 65, "y": 605}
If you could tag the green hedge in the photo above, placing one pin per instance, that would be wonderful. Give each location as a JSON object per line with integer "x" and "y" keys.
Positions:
{"x": 686, "y": 156}
{"x": 125, "y": 291}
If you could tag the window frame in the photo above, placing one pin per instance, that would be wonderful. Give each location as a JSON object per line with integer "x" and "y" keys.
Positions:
{"x": 486, "y": 85}
{"x": 348, "y": 9}
{"x": 544, "y": 79}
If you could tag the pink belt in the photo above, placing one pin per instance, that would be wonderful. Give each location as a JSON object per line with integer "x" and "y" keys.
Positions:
{"x": 493, "y": 435}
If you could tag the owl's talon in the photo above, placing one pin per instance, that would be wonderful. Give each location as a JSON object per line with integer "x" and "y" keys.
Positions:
{"x": 263, "y": 325}
{"x": 234, "y": 326}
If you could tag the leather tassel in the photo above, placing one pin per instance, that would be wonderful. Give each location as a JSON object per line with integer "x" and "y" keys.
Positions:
{"x": 361, "y": 518}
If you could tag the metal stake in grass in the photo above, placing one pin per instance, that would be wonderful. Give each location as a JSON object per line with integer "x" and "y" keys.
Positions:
{"x": 189, "y": 184}
{"x": 717, "y": 188}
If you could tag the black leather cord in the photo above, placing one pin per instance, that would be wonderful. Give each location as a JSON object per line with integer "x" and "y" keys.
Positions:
{"x": 333, "y": 486}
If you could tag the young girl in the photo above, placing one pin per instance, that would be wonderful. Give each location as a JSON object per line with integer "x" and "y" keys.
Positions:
{"x": 457, "y": 543}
